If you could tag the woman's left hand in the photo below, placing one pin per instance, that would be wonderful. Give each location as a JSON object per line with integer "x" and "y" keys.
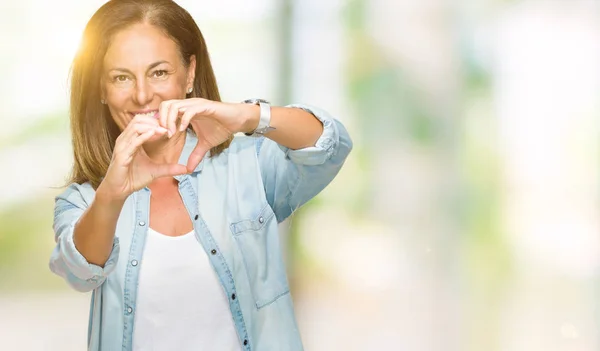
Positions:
{"x": 213, "y": 121}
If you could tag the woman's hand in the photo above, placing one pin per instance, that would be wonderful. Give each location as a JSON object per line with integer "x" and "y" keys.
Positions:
{"x": 130, "y": 168}
{"x": 214, "y": 122}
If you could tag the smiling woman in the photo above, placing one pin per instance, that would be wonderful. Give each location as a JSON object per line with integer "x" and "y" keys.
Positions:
{"x": 169, "y": 219}
{"x": 141, "y": 68}
{"x": 137, "y": 55}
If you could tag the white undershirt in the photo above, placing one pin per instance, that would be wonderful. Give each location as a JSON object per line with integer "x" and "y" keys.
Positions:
{"x": 180, "y": 302}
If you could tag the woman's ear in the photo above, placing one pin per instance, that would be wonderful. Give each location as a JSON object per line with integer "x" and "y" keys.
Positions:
{"x": 191, "y": 73}
{"x": 102, "y": 92}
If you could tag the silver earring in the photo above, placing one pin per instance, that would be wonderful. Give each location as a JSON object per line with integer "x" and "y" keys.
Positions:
{"x": 103, "y": 102}
{"x": 189, "y": 91}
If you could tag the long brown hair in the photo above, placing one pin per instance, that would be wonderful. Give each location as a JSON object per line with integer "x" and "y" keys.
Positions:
{"x": 93, "y": 130}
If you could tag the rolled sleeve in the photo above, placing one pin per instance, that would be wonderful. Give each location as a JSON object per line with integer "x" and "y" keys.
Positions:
{"x": 293, "y": 177}
{"x": 78, "y": 265}
{"x": 66, "y": 261}
{"x": 325, "y": 147}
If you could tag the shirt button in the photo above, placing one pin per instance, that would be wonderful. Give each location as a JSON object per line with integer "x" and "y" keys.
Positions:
{"x": 129, "y": 310}
{"x": 196, "y": 217}
{"x": 245, "y": 342}
{"x": 261, "y": 220}
{"x": 134, "y": 263}
{"x": 142, "y": 223}
{"x": 233, "y": 296}
{"x": 213, "y": 251}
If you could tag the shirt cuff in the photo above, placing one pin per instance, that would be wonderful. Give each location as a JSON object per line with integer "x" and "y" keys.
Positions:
{"x": 325, "y": 147}
{"x": 79, "y": 266}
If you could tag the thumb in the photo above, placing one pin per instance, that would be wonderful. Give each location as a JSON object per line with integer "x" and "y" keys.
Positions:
{"x": 196, "y": 156}
{"x": 168, "y": 170}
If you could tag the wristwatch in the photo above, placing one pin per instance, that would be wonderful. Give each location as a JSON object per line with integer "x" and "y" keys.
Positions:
{"x": 265, "y": 117}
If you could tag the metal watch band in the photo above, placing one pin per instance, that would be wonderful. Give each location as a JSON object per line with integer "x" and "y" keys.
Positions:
{"x": 265, "y": 117}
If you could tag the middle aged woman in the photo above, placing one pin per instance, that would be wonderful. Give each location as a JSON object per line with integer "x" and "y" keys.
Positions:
{"x": 168, "y": 218}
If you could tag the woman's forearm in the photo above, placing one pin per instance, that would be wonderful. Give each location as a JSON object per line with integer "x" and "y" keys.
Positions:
{"x": 95, "y": 231}
{"x": 294, "y": 127}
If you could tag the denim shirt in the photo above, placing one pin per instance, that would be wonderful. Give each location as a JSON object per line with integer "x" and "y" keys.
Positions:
{"x": 235, "y": 201}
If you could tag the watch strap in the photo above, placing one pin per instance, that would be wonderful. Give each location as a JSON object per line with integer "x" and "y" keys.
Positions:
{"x": 264, "y": 119}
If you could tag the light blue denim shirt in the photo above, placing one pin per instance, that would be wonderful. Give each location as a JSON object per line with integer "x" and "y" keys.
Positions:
{"x": 235, "y": 201}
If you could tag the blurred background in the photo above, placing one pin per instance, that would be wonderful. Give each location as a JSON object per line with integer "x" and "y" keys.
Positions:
{"x": 466, "y": 218}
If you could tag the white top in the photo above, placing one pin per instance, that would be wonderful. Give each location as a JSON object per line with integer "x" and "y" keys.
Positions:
{"x": 180, "y": 302}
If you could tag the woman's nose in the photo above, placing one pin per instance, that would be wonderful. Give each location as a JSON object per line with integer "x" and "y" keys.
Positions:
{"x": 143, "y": 93}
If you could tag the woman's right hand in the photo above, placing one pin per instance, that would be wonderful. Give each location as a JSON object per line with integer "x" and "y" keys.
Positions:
{"x": 130, "y": 168}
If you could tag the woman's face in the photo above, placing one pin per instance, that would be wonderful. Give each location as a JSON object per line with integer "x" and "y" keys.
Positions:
{"x": 142, "y": 68}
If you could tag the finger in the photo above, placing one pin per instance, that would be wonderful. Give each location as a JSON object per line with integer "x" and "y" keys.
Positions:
{"x": 172, "y": 117}
{"x": 168, "y": 170}
{"x": 137, "y": 142}
{"x": 133, "y": 131}
{"x": 196, "y": 156}
{"x": 132, "y": 128}
{"x": 143, "y": 119}
{"x": 148, "y": 122}
{"x": 143, "y": 133}
{"x": 184, "y": 106}
{"x": 170, "y": 110}
{"x": 190, "y": 112}
{"x": 155, "y": 125}
{"x": 127, "y": 136}
{"x": 163, "y": 112}
{"x": 135, "y": 145}
{"x": 124, "y": 152}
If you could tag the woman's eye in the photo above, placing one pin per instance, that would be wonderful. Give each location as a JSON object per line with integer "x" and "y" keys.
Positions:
{"x": 120, "y": 78}
{"x": 160, "y": 73}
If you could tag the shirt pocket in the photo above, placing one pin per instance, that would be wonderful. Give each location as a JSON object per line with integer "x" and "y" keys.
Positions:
{"x": 258, "y": 241}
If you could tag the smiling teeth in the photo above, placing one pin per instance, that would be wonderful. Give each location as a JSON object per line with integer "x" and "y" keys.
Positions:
{"x": 147, "y": 114}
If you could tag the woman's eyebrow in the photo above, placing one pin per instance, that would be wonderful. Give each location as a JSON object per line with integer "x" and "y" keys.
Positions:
{"x": 151, "y": 66}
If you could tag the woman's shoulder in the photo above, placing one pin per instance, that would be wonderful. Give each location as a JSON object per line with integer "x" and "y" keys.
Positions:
{"x": 78, "y": 193}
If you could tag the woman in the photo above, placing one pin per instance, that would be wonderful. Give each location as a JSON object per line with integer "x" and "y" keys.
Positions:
{"x": 169, "y": 219}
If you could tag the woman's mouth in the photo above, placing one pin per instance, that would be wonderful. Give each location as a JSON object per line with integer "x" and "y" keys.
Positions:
{"x": 145, "y": 113}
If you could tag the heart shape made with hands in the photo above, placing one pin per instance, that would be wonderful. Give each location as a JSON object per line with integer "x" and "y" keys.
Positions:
{"x": 213, "y": 122}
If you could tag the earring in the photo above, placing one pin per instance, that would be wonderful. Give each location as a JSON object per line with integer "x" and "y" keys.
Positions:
{"x": 189, "y": 91}
{"x": 103, "y": 102}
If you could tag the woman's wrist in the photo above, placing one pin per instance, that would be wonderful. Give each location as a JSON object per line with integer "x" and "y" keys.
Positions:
{"x": 250, "y": 117}
{"x": 108, "y": 198}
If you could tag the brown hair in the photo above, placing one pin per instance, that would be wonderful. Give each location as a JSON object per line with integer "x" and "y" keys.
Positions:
{"x": 93, "y": 130}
